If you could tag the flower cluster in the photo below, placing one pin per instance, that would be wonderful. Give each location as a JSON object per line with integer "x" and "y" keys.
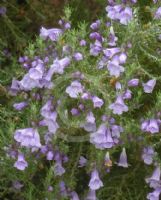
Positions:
{"x": 89, "y": 86}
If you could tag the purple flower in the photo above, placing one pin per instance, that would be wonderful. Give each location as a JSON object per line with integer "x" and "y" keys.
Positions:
{"x": 113, "y": 12}
{"x": 53, "y": 33}
{"x": 147, "y": 156}
{"x": 82, "y": 161}
{"x": 95, "y": 25}
{"x": 3, "y": 11}
{"x": 102, "y": 138}
{"x": 149, "y": 86}
{"x": 95, "y": 48}
{"x": 126, "y": 16}
{"x": 50, "y": 155}
{"x": 96, "y": 36}
{"x": 151, "y": 126}
{"x": 50, "y": 188}
{"x": 74, "y": 89}
{"x": 74, "y": 196}
{"x": 158, "y": 13}
{"x": 97, "y": 102}
{"x": 112, "y": 38}
{"x": 154, "y": 195}
{"x": 127, "y": 94}
{"x": 118, "y": 106}
{"x": 17, "y": 185}
{"x": 75, "y": 111}
{"x": 110, "y": 52}
{"x": 28, "y": 137}
{"x": 95, "y": 182}
{"x": 133, "y": 82}
{"x": 63, "y": 190}
{"x": 20, "y": 106}
{"x": 15, "y": 87}
{"x": 78, "y": 56}
{"x": 91, "y": 195}
{"x": 117, "y": 12}
{"x": 58, "y": 169}
{"x": 118, "y": 86}
{"x": 116, "y": 130}
{"x": 57, "y": 67}
{"x": 122, "y": 58}
{"x": 67, "y": 26}
{"x": 154, "y": 181}
{"x": 114, "y": 68}
{"x": 82, "y": 43}
{"x": 90, "y": 124}
{"x": 123, "y": 159}
{"x": 21, "y": 163}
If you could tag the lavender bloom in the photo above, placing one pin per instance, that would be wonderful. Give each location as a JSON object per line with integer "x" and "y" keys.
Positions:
{"x": 133, "y": 82}
{"x": 82, "y": 161}
{"x": 154, "y": 195}
{"x": 32, "y": 78}
{"x": 116, "y": 130}
{"x": 14, "y": 87}
{"x": 82, "y": 43}
{"x": 112, "y": 38}
{"x": 20, "y": 106}
{"x": 151, "y": 126}
{"x": 126, "y": 16}
{"x": 67, "y": 26}
{"x": 96, "y": 36}
{"x": 154, "y": 181}
{"x": 58, "y": 169}
{"x": 21, "y": 163}
{"x": 3, "y": 11}
{"x": 74, "y": 196}
{"x": 50, "y": 155}
{"x": 90, "y": 124}
{"x": 46, "y": 109}
{"x": 118, "y": 86}
{"x": 95, "y": 48}
{"x": 97, "y": 102}
{"x": 118, "y": 106}
{"x": 127, "y": 94}
{"x": 53, "y": 33}
{"x": 63, "y": 190}
{"x": 91, "y": 195}
{"x": 113, "y": 12}
{"x": 17, "y": 185}
{"x": 102, "y": 138}
{"x": 74, "y": 89}
{"x": 95, "y": 25}
{"x": 78, "y": 56}
{"x": 158, "y": 13}
{"x": 75, "y": 111}
{"x": 57, "y": 67}
{"x": 95, "y": 182}
{"x": 110, "y": 52}
{"x": 28, "y": 137}
{"x": 50, "y": 121}
{"x": 147, "y": 156}
{"x": 117, "y": 12}
{"x": 122, "y": 58}
{"x": 50, "y": 188}
{"x": 114, "y": 68}
{"x": 149, "y": 86}
{"x": 123, "y": 159}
